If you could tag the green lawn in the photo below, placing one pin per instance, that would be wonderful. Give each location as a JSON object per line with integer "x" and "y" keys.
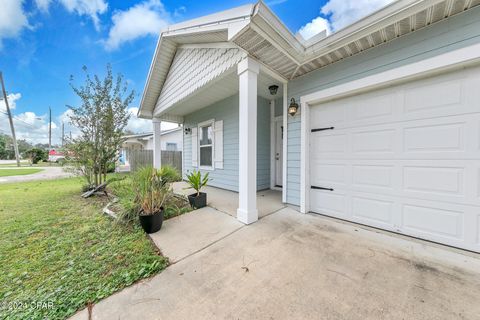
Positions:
{"x": 18, "y": 172}
{"x": 27, "y": 164}
{"x": 57, "y": 249}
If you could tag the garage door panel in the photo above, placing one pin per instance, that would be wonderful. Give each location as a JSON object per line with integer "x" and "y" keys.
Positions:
{"x": 331, "y": 114}
{"x": 478, "y": 229}
{"x": 435, "y": 138}
{"x": 378, "y": 176}
{"x": 373, "y": 211}
{"x": 329, "y": 203}
{"x": 329, "y": 144}
{"x": 404, "y": 158}
{"x": 425, "y": 96}
{"x": 328, "y": 173}
{"x": 373, "y": 106}
{"x": 373, "y": 141}
{"x": 434, "y": 180}
{"x": 433, "y": 221}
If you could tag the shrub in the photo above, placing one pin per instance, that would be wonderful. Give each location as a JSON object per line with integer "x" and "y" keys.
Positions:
{"x": 196, "y": 181}
{"x": 129, "y": 206}
{"x": 36, "y": 155}
{"x": 169, "y": 174}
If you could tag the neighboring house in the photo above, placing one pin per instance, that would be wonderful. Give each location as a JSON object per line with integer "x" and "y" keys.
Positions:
{"x": 55, "y": 156}
{"x": 387, "y": 133}
{"x": 172, "y": 140}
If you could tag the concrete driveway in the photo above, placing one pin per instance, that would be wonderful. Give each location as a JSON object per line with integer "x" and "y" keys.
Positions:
{"x": 294, "y": 266}
{"x": 47, "y": 173}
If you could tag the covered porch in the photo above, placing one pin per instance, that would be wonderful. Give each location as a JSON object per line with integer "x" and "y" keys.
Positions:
{"x": 226, "y": 201}
{"x": 233, "y": 127}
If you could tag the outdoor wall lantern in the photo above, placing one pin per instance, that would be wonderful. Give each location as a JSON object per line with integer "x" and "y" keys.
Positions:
{"x": 188, "y": 130}
{"x": 273, "y": 89}
{"x": 293, "y": 107}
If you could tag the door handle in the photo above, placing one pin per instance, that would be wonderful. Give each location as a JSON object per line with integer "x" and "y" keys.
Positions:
{"x": 321, "y": 188}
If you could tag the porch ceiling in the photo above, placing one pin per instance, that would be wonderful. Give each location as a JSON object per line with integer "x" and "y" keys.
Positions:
{"x": 223, "y": 87}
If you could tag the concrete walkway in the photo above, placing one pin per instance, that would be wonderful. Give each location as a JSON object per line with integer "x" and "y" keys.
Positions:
{"x": 189, "y": 233}
{"x": 47, "y": 173}
{"x": 294, "y": 266}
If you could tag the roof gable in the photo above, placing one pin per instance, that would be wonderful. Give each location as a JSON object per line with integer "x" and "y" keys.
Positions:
{"x": 193, "y": 68}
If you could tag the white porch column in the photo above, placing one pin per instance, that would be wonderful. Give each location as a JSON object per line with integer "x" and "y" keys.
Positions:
{"x": 157, "y": 146}
{"x": 248, "y": 70}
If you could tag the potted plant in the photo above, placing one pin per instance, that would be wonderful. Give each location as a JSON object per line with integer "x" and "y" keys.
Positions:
{"x": 199, "y": 199}
{"x": 151, "y": 192}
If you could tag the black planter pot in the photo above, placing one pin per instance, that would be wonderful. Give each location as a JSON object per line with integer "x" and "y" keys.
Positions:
{"x": 152, "y": 223}
{"x": 199, "y": 201}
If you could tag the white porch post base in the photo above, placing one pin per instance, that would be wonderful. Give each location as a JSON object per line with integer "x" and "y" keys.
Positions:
{"x": 248, "y": 70}
{"x": 157, "y": 146}
{"x": 247, "y": 217}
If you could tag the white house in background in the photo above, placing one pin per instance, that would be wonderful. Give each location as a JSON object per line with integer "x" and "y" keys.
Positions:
{"x": 172, "y": 140}
{"x": 387, "y": 133}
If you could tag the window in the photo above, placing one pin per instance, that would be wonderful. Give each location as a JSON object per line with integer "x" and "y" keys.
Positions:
{"x": 171, "y": 146}
{"x": 205, "y": 137}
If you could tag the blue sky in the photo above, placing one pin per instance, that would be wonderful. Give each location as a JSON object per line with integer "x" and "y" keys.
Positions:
{"x": 43, "y": 42}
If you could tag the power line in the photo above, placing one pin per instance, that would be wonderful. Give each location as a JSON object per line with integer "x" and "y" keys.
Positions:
{"x": 17, "y": 118}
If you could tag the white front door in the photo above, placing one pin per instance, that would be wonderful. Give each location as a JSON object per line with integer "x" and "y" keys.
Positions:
{"x": 278, "y": 152}
{"x": 404, "y": 158}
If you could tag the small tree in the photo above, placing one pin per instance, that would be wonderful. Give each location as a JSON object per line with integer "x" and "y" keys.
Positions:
{"x": 36, "y": 155}
{"x": 101, "y": 119}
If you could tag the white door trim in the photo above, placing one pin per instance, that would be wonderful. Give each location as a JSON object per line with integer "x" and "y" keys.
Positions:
{"x": 456, "y": 59}
{"x": 285, "y": 141}
{"x": 272, "y": 143}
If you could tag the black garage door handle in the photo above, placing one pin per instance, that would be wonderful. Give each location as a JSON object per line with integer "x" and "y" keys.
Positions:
{"x": 321, "y": 188}
{"x": 322, "y": 129}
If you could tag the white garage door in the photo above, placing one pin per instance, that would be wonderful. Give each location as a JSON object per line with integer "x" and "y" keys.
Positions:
{"x": 405, "y": 158}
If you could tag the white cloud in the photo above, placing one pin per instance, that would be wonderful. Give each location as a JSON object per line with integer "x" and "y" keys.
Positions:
{"x": 138, "y": 125}
{"x": 43, "y": 4}
{"x": 314, "y": 27}
{"x": 146, "y": 18}
{"x": 344, "y": 12}
{"x": 91, "y": 8}
{"x": 12, "y": 98}
{"x": 336, "y": 14}
{"x": 12, "y": 19}
{"x": 34, "y": 128}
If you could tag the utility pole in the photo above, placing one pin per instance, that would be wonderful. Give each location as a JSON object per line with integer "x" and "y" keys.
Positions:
{"x": 15, "y": 146}
{"x": 50, "y": 130}
{"x": 63, "y": 134}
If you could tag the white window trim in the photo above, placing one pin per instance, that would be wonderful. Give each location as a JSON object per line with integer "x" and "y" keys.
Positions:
{"x": 211, "y": 123}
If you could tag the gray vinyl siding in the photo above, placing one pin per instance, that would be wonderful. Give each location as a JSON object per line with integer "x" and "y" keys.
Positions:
{"x": 227, "y": 110}
{"x": 263, "y": 144}
{"x": 454, "y": 33}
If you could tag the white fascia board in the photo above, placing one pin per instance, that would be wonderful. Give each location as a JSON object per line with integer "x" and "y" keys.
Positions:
{"x": 448, "y": 61}
{"x": 230, "y": 15}
{"x": 274, "y": 22}
{"x": 210, "y": 45}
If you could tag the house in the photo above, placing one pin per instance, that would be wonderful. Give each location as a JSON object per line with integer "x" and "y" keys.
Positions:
{"x": 172, "y": 140}
{"x": 55, "y": 156}
{"x": 378, "y": 123}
